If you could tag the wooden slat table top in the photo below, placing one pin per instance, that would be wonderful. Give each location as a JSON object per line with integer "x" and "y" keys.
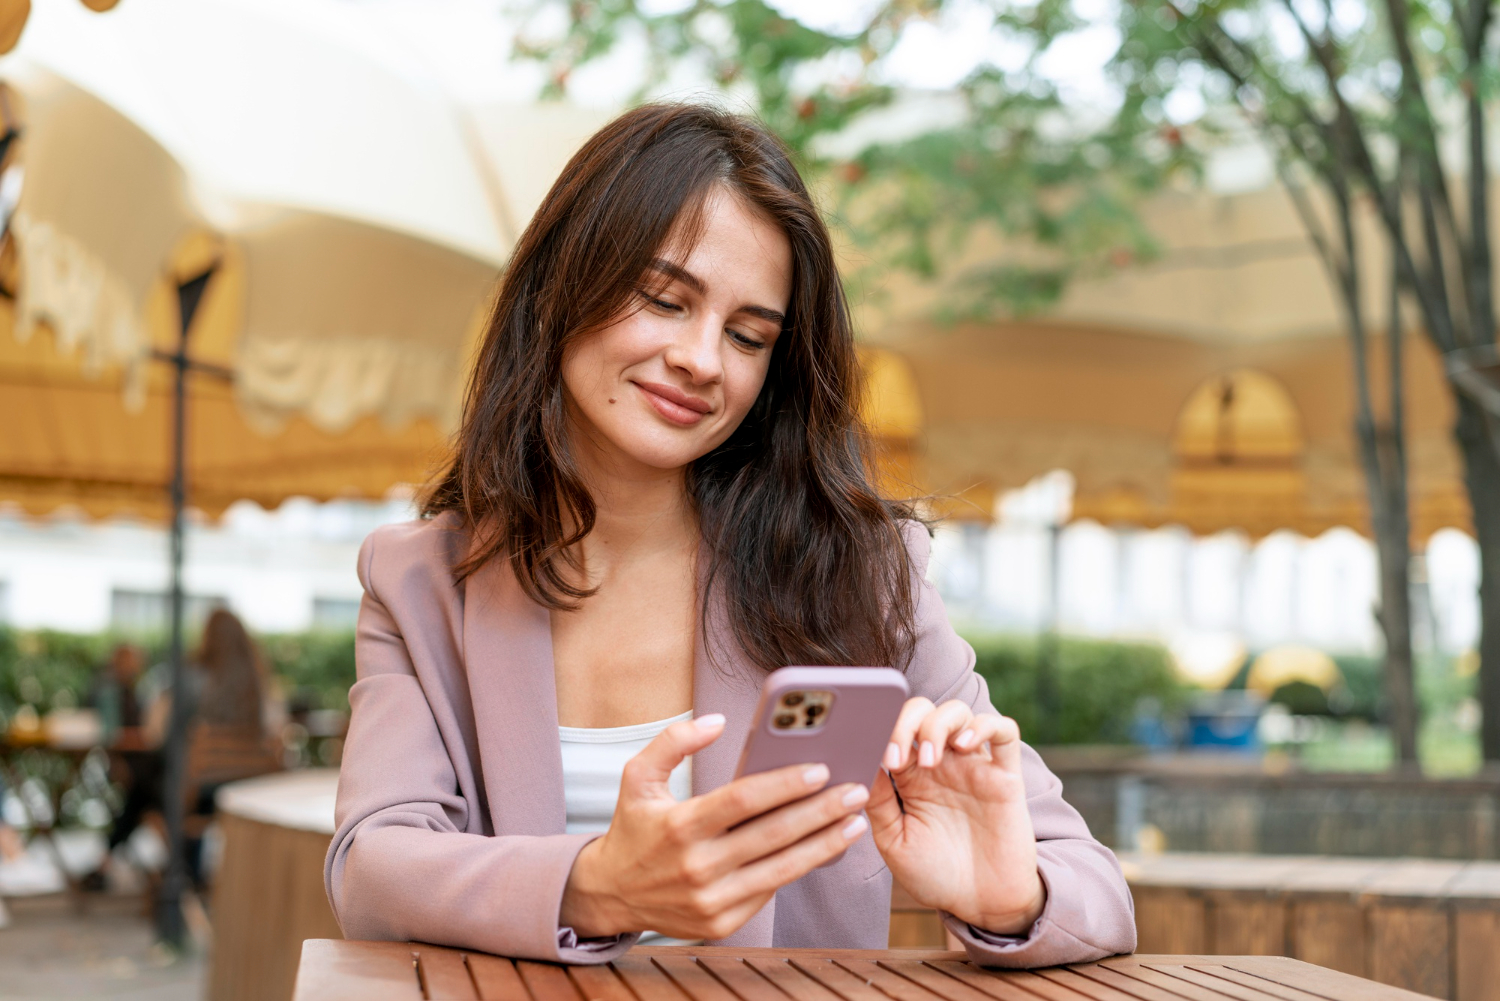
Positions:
{"x": 335, "y": 970}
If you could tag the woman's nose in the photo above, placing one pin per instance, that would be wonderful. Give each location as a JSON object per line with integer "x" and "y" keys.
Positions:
{"x": 696, "y": 349}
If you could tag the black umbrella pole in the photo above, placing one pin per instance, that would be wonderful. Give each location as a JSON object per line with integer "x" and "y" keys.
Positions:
{"x": 170, "y": 927}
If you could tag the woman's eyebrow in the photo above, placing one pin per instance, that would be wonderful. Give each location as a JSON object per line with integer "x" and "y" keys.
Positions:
{"x": 677, "y": 272}
{"x": 765, "y": 313}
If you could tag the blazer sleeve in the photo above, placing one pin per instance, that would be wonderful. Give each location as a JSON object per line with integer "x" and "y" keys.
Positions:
{"x": 1089, "y": 913}
{"x": 405, "y": 863}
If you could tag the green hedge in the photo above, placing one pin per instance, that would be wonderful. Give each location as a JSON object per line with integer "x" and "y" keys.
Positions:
{"x": 47, "y": 670}
{"x": 1095, "y": 689}
{"x": 315, "y": 668}
{"x": 1076, "y": 691}
{"x": 1361, "y": 694}
{"x": 51, "y": 670}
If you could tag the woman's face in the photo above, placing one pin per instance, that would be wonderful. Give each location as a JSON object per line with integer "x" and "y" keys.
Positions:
{"x": 672, "y": 379}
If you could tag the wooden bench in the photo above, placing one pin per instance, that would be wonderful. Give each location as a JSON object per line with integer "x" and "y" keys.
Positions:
{"x": 1428, "y": 925}
{"x": 1431, "y": 926}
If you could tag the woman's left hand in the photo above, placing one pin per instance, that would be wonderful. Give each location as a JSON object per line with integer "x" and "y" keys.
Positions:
{"x": 960, "y": 838}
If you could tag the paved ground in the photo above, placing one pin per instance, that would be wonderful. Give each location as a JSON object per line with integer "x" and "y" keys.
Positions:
{"x": 50, "y": 951}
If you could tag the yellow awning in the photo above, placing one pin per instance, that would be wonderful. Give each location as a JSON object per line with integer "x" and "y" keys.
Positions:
{"x": 69, "y": 441}
{"x": 1212, "y": 389}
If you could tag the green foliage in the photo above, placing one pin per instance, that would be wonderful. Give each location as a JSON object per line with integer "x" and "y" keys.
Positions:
{"x": 52, "y": 670}
{"x": 1096, "y": 685}
{"x": 1014, "y": 165}
{"x": 1361, "y": 693}
{"x": 1302, "y": 699}
{"x": 316, "y": 668}
{"x": 47, "y": 670}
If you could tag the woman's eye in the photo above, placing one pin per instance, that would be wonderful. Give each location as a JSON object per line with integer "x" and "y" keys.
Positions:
{"x": 662, "y": 304}
{"x": 745, "y": 340}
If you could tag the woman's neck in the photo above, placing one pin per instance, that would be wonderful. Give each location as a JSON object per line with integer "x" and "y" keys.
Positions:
{"x": 639, "y": 512}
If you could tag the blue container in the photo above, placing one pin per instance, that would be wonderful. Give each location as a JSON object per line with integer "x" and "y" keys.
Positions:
{"x": 1225, "y": 721}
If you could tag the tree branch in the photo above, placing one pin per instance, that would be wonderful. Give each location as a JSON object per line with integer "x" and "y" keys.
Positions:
{"x": 1355, "y": 150}
{"x": 1480, "y": 275}
{"x": 1351, "y": 155}
{"x": 1412, "y": 108}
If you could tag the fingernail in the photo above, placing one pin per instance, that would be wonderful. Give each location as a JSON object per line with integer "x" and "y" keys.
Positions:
{"x": 964, "y": 739}
{"x": 816, "y": 775}
{"x": 856, "y": 796}
{"x": 710, "y": 722}
{"x": 892, "y": 756}
{"x": 855, "y": 827}
{"x": 927, "y": 756}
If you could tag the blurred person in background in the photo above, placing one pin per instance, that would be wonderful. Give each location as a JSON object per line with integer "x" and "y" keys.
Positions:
{"x": 231, "y": 702}
{"x": 227, "y": 688}
{"x": 135, "y": 764}
{"x": 228, "y": 683}
{"x": 115, "y": 694}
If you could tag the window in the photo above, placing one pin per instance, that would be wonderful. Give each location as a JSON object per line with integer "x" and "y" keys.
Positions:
{"x": 148, "y": 611}
{"x": 335, "y": 614}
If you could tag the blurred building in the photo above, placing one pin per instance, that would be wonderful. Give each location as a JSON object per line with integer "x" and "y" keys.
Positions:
{"x": 283, "y": 571}
{"x": 1202, "y": 595}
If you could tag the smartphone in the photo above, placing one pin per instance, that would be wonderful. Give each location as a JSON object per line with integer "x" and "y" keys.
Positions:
{"x": 838, "y": 716}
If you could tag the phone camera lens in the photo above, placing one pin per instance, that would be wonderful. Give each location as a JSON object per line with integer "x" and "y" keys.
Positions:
{"x": 814, "y": 710}
{"x": 794, "y": 699}
{"x": 785, "y": 720}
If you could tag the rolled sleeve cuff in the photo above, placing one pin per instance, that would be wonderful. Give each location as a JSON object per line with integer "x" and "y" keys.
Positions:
{"x": 985, "y": 947}
{"x": 1048, "y": 942}
{"x": 573, "y": 949}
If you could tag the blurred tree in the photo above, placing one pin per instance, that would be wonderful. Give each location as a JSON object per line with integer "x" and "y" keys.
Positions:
{"x": 1003, "y": 153}
{"x": 1355, "y": 99}
{"x": 1358, "y": 102}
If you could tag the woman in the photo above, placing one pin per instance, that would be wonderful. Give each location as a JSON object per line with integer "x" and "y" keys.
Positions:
{"x": 228, "y": 675}
{"x": 226, "y": 686}
{"x": 659, "y": 493}
{"x": 224, "y": 681}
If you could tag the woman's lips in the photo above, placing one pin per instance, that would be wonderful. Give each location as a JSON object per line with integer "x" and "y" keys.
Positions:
{"x": 676, "y": 406}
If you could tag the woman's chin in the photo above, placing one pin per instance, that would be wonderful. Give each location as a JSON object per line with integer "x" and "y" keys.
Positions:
{"x": 665, "y": 456}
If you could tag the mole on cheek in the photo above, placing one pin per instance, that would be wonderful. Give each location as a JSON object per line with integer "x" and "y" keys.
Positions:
{"x": 611, "y": 399}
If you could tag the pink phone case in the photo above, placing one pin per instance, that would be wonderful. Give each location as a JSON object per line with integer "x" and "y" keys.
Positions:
{"x": 851, "y": 730}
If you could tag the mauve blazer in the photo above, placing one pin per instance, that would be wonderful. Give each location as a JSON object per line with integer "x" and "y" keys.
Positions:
{"x": 450, "y": 803}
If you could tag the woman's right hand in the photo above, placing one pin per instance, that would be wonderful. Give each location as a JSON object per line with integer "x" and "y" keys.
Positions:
{"x": 701, "y": 868}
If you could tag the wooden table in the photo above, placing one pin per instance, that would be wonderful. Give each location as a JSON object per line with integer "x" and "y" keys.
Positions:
{"x": 268, "y": 895}
{"x": 396, "y": 971}
{"x": 44, "y": 827}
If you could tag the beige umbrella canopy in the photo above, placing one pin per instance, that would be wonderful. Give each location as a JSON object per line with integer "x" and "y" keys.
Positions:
{"x": 347, "y": 340}
{"x": 347, "y": 209}
{"x": 1211, "y": 388}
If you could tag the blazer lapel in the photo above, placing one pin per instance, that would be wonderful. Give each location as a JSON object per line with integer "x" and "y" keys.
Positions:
{"x": 723, "y": 682}
{"x": 726, "y": 683}
{"x": 508, "y": 658}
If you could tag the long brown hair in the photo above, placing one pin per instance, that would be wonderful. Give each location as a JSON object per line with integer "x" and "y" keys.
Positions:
{"x": 232, "y": 672}
{"x": 805, "y": 559}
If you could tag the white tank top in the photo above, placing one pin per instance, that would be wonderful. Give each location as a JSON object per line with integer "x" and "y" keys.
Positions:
{"x": 593, "y": 759}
